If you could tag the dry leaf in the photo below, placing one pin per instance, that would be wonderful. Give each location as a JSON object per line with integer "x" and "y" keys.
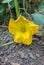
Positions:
{"x": 13, "y": 63}
{"x": 1, "y": 63}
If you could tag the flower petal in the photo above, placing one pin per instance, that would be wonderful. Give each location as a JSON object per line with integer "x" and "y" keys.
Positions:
{"x": 12, "y": 26}
{"x": 18, "y": 37}
{"x": 27, "y": 38}
{"x": 34, "y": 29}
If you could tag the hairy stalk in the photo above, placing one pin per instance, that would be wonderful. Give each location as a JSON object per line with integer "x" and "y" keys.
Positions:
{"x": 10, "y": 10}
{"x": 17, "y": 8}
{"x": 5, "y": 44}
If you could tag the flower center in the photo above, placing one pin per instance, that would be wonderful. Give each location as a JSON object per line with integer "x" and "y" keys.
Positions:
{"x": 23, "y": 29}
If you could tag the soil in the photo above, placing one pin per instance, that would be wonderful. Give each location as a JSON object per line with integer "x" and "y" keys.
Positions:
{"x": 18, "y": 53}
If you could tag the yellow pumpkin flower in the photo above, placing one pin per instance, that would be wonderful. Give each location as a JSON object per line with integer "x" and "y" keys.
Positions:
{"x": 23, "y": 30}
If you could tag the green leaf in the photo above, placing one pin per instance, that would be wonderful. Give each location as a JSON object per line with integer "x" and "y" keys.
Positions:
{"x": 1, "y": 8}
{"x": 41, "y": 4}
{"x": 12, "y": 4}
{"x": 6, "y": 1}
{"x": 41, "y": 7}
{"x": 38, "y": 18}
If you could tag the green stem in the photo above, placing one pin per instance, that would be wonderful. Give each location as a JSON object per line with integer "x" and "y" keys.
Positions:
{"x": 10, "y": 10}
{"x": 23, "y": 3}
{"x": 5, "y": 44}
{"x": 17, "y": 8}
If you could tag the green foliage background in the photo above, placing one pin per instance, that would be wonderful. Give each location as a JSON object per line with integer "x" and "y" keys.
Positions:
{"x": 27, "y": 8}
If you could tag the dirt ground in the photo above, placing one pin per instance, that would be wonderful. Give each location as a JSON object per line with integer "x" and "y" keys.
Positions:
{"x": 18, "y": 53}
